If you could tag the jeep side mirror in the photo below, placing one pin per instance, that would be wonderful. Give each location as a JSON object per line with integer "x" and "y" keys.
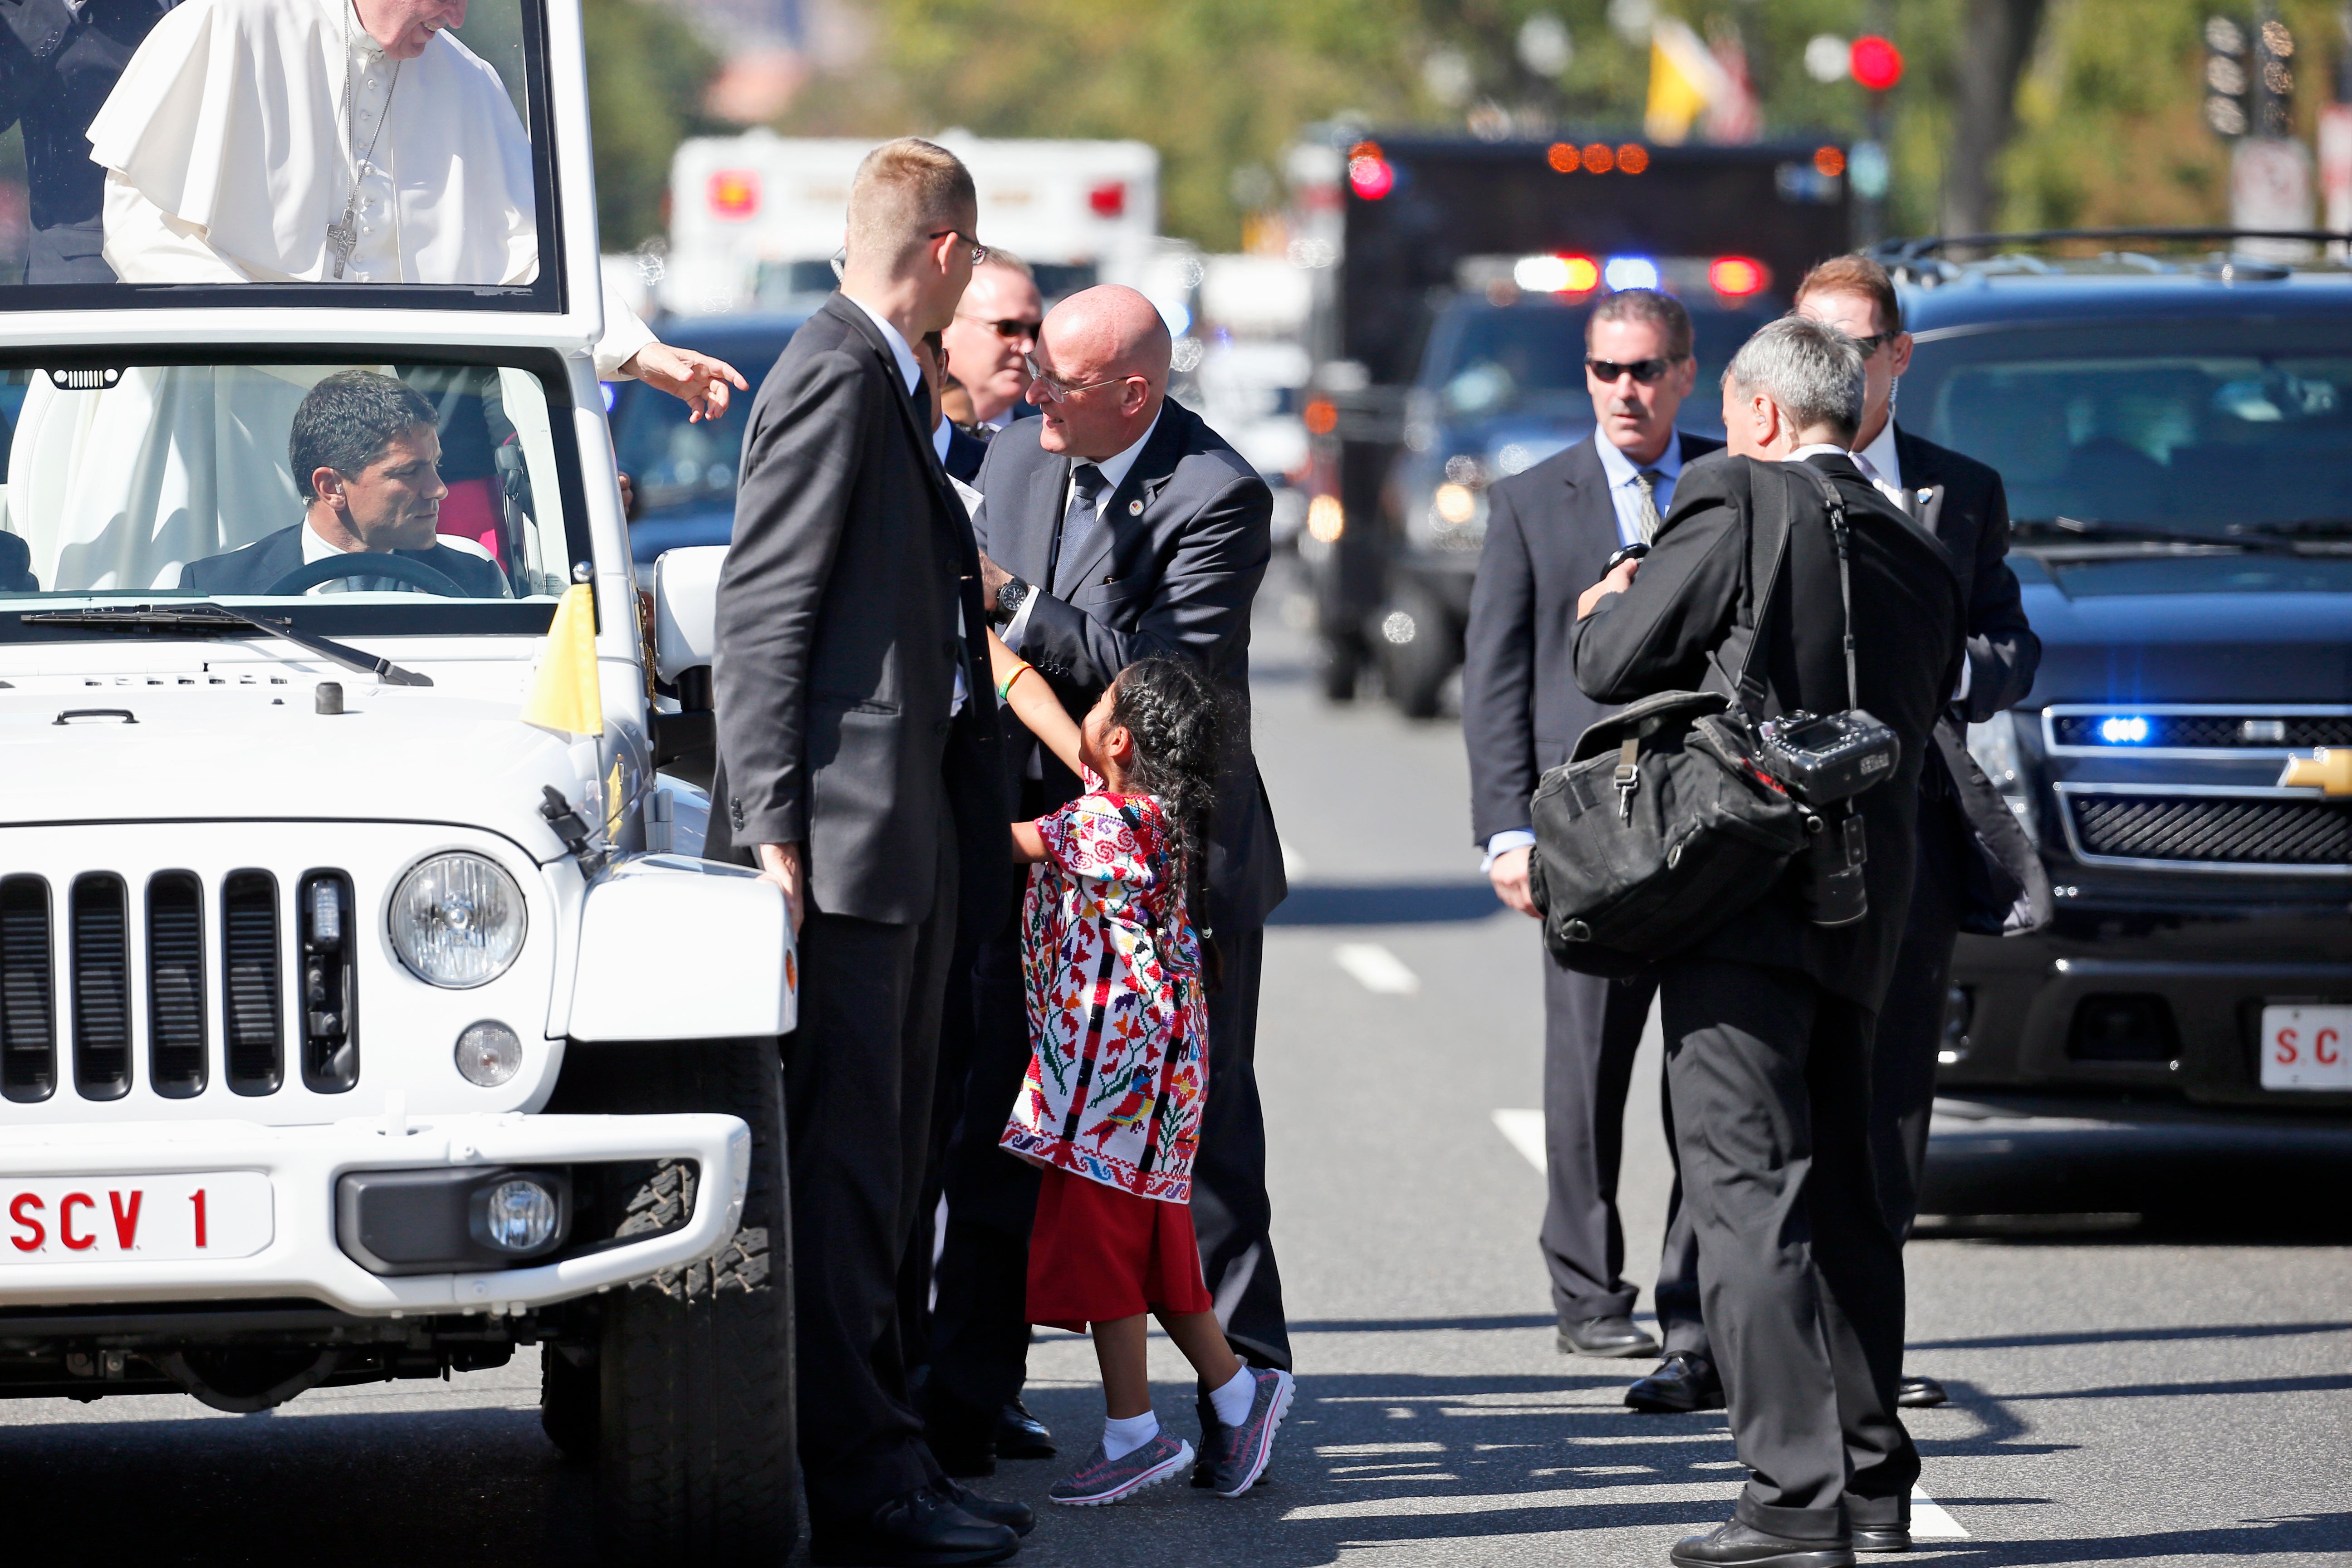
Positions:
{"x": 685, "y": 620}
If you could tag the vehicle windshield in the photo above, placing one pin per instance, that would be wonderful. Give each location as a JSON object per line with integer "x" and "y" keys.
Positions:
{"x": 422, "y": 486}
{"x": 1486, "y": 360}
{"x": 2186, "y": 428}
{"x": 278, "y": 146}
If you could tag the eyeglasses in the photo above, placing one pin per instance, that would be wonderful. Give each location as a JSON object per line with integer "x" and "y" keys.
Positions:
{"x": 1056, "y": 390}
{"x": 1875, "y": 341}
{"x": 1007, "y": 328}
{"x": 1644, "y": 371}
{"x": 978, "y": 251}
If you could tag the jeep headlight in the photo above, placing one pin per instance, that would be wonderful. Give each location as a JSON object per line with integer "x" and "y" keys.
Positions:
{"x": 458, "y": 920}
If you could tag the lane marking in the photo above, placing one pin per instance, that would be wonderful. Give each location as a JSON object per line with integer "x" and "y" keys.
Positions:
{"x": 1525, "y": 1129}
{"x": 1930, "y": 1520}
{"x": 1377, "y": 968}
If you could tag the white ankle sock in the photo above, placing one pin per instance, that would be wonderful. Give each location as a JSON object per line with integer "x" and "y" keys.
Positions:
{"x": 1123, "y": 1435}
{"x": 1232, "y": 1402}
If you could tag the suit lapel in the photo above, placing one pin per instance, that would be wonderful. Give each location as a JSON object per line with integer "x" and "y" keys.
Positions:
{"x": 926, "y": 456}
{"x": 1124, "y": 512}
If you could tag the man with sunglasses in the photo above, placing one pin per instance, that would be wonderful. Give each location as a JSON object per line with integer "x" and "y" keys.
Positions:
{"x": 1551, "y": 534}
{"x": 995, "y": 325}
{"x": 1117, "y": 526}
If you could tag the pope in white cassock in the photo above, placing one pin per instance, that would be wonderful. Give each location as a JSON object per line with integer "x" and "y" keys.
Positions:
{"x": 324, "y": 141}
{"x": 315, "y": 140}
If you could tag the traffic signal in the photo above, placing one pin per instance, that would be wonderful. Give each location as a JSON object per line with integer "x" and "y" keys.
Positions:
{"x": 2225, "y": 77}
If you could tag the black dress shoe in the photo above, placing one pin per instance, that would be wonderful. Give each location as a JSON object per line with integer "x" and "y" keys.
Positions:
{"x": 1879, "y": 1524}
{"x": 1919, "y": 1393}
{"x": 1747, "y": 1547}
{"x": 1021, "y": 1435}
{"x": 1010, "y": 1512}
{"x": 1686, "y": 1380}
{"x": 1614, "y": 1335}
{"x": 920, "y": 1529}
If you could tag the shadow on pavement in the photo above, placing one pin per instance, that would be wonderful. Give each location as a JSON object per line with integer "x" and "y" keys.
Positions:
{"x": 2252, "y": 1538}
{"x": 1391, "y": 903}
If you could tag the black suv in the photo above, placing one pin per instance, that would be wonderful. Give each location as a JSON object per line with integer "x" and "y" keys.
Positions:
{"x": 2176, "y": 436}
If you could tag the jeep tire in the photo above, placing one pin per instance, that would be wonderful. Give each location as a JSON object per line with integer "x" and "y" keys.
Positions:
{"x": 692, "y": 1380}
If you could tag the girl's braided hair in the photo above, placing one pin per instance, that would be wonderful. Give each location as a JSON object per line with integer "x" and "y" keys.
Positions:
{"x": 1181, "y": 719}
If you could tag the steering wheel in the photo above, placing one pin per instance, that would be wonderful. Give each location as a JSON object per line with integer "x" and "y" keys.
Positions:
{"x": 399, "y": 568}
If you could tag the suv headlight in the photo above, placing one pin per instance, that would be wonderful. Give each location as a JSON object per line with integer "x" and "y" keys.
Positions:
{"x": 1994, "y": 745}
{"x": 458, "y": 920}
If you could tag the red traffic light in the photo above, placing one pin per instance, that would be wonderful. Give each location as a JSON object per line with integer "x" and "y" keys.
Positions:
{"x": 1876, "y": 63}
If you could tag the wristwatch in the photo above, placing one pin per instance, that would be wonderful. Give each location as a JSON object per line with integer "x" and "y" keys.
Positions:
{"x": 1009, "y": 600}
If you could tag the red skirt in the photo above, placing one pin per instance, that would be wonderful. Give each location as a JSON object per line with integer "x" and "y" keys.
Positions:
{"x": 1098, "y": 1255}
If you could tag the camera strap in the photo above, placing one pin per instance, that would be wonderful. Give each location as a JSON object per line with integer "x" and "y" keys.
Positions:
{"x": 1747, "y": 689}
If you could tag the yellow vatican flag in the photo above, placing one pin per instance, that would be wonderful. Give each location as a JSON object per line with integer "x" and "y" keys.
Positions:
{"x": 1684, "y": 79}
{"x": 563, "y": 694}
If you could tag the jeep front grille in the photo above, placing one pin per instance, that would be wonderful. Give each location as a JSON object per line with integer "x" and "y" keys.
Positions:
{"x": 110, "y": 992}
{"x": 2217, "y": 829}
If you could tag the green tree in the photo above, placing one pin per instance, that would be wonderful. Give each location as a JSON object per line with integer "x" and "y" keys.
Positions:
{"x": 647, "y": 71}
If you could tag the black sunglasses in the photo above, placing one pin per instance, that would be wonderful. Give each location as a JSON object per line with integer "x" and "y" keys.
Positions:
{"x": 1644, "y": 371}
{"x": 1875, "y": 341}
{"x": 1007, "y": 328}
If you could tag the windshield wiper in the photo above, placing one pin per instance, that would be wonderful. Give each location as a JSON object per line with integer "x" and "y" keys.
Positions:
{"x": 207, "y": 616}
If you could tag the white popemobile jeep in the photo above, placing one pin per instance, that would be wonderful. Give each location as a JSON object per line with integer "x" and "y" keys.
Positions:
{"x": 352, "y": 1027}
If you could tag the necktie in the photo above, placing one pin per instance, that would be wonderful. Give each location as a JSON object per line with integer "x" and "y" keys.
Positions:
{"x": 1078, "y": 523}
{"x": 1645, "y": 484}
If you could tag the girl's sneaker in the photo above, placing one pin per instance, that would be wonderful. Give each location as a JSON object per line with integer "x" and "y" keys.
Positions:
{"x": 1103, "y": 1480}
{"x": 1247, "y": 1447}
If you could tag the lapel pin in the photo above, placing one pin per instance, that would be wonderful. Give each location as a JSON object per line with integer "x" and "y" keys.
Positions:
{"x": 1135, "y": 508}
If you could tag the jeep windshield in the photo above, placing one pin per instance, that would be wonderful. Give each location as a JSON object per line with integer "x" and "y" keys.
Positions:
{"x": 224, "y": 153}
{"x": 433, "y": 495}
{"x": 2148, "y": 431}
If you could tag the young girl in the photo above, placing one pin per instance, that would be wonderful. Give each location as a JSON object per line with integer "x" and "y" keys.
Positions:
{"x": 1119, "y": 1023}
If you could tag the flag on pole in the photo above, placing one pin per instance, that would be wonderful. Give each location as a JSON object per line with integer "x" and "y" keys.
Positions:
{"x": 1685, "y": 79}
{"x": 564, "y": 692}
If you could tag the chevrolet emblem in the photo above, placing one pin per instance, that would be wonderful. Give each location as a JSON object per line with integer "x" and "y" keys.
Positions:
{"x": 2328, "y": 770}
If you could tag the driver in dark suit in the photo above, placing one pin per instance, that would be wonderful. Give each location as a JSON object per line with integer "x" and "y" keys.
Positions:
{"x": 366, "y": 457}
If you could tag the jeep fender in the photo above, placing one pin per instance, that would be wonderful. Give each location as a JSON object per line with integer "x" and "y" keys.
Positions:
{"x": 677, "y": 949}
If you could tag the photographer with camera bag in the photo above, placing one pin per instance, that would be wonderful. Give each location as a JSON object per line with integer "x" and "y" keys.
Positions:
{"x": 1783, "y": 579}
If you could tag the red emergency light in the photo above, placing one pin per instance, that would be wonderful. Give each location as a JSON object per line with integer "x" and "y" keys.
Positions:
{"x": 1371, "y": 176}
{"x": 1876, "y": 64}
{"x": 735, "y": 193}
{"x": 1108, "y": 199}
{"x": 1736, "y": 277}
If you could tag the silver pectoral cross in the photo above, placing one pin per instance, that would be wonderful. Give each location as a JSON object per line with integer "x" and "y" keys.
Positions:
{"x": 343, "y": 238}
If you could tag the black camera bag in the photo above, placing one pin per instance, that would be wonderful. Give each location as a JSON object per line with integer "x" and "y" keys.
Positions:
{"x": 1661, "y": 826}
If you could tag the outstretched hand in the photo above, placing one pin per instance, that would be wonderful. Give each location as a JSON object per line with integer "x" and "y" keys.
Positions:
{"x": 698, "y": 380}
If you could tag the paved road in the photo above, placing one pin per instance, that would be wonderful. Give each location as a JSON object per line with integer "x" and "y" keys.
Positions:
{"x": 2165, "y": 1388}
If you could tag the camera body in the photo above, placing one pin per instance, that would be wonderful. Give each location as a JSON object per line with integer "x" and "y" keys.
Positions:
{"x": 1822, "y": 759}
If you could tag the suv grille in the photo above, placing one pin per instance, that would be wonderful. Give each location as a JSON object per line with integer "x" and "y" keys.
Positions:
{"x": 2300, "y": 834}
{"x": 2207, "y": 732}
{"x": 104, "y": 982}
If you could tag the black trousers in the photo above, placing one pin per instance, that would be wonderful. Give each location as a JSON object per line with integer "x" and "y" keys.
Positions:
{"x": 1800, "y": 1276}
{"x": 857, "y": 1104}
{"x": 980, "y": 1322}
{"x": 1591, "y": 1029}
{"x": 1902, "y": 1070}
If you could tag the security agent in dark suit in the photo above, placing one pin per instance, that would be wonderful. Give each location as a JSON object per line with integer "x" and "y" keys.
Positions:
{"x": 1551, "y": 534}
{"x": 858, "y": 766}
{"x": 1768, "y": 1022}
{"x": 366, "y": 458}
{"x": 1961, "y": 501}
{"x": 1117, "y": 526}
{"x": 58, "y": 61}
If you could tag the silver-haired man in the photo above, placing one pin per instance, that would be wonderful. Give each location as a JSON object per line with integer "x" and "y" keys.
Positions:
{"x": 1768, "y": 1022}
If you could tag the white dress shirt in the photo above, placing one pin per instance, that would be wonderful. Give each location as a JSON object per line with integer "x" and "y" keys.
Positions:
{"x": 1115, "y": 470}
{"x": 1624, "y": 485}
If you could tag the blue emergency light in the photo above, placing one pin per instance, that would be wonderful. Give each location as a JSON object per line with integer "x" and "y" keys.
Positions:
{"x": 2124, "y": 731}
